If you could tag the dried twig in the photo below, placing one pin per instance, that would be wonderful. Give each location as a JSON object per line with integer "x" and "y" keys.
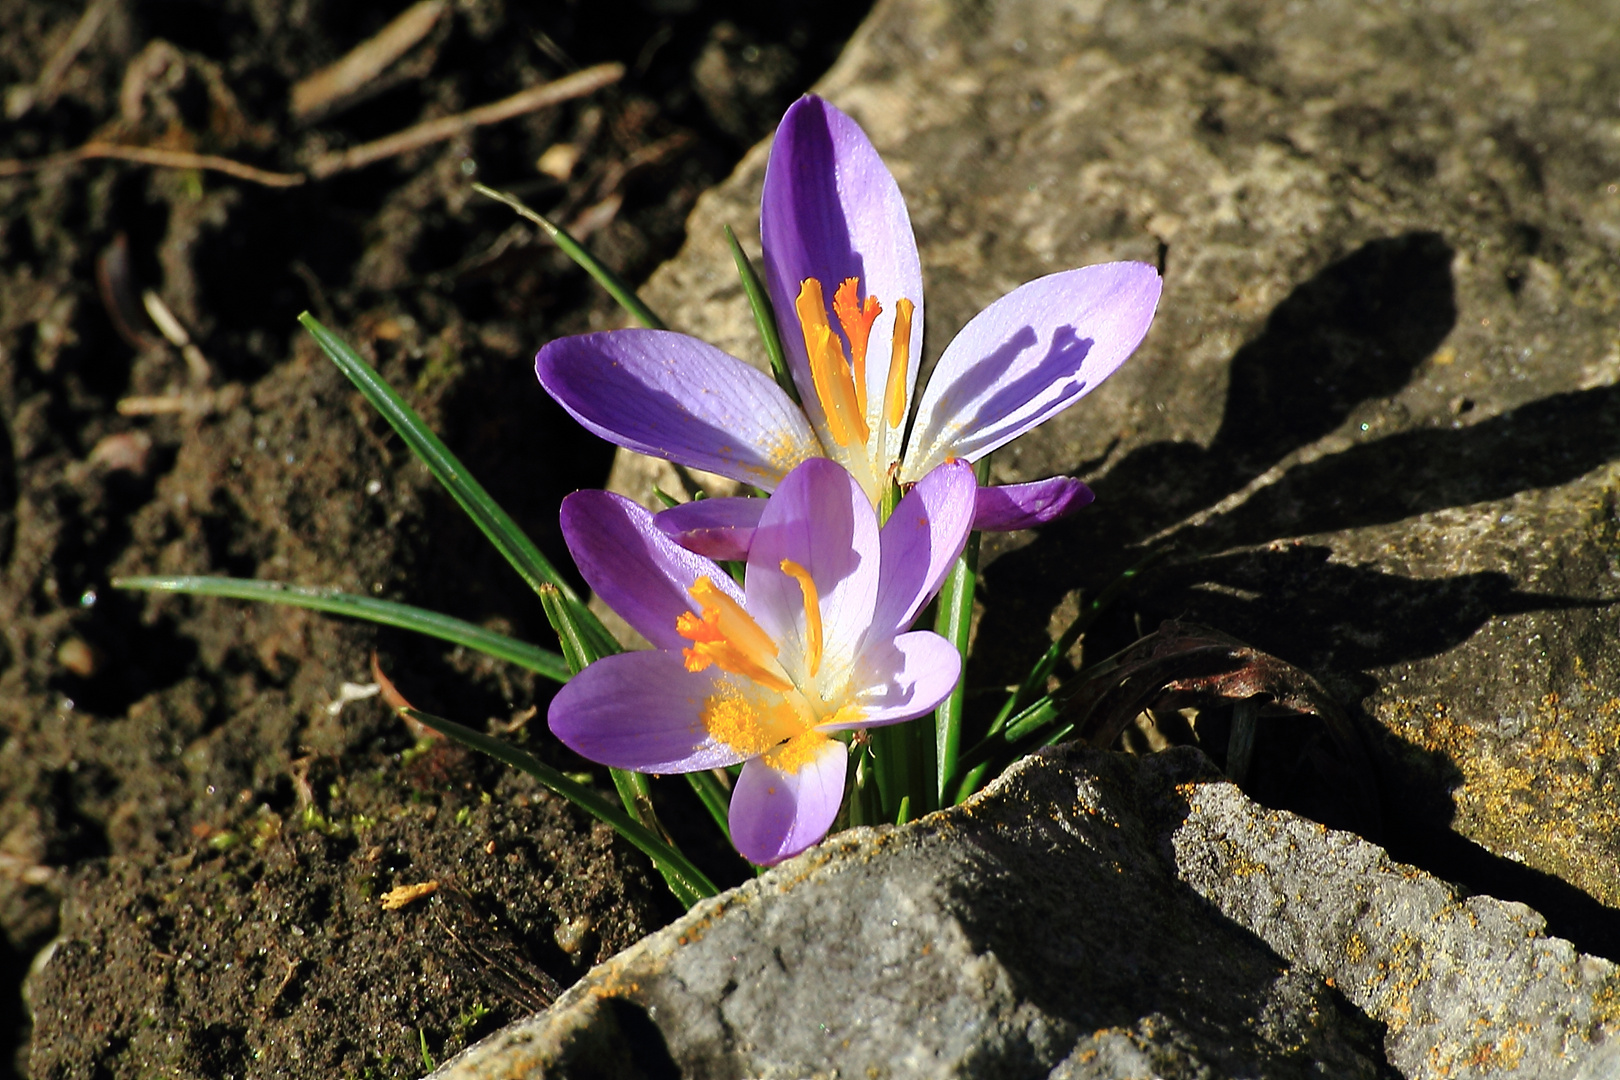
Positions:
{"x": 151, "y": 155}
{"x": 365, "y": 61}
{"x": 446, "y": 127}
{"x": 195, "y": 403}
{"x": 44, "y": 89}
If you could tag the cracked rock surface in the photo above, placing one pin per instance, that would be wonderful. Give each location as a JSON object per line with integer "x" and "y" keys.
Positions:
{"x": 1091, "y": 915}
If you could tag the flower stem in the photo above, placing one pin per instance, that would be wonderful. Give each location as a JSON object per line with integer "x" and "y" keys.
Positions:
{"x": 616, "y": 287}
{"x": 954, "y": 621}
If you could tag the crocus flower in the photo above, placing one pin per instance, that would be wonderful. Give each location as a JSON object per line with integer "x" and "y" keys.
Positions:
{"x": 815, "y": 642}
{"x": 845, "y": 279}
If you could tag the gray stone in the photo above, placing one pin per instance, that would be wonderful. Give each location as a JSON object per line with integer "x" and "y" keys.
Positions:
{"x": 1091, "y": 915}
{"x": 1377, "y": 412}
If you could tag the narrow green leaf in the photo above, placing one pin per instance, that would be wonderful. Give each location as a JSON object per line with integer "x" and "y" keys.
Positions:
{"x": 904, "y": 815}
{"x": 615, "y": 285}
{"x": 1040, "y": 713}
{"x": 1035, "y": 681}
{"x": 496, "y": 524}
{"x": 863, "y": 794}
{"x": 634, "y": 789}
{"x": 578, "y": 652}
{"x": 952, "y": 623}
{"x": 687, "y": 882}
{"x": 891, "y": 756}
{"x": 759, "y": 301}
{"x": 386, "y": 612}
{"x": 716, "y": 799}
{"x": 972, "y": 780}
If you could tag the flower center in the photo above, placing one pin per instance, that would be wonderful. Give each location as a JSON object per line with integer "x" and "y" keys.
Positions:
{"x": 773, "y": 714}
{"x": 840, "y": 380}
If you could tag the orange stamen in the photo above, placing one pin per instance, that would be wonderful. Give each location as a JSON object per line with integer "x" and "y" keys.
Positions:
{"x": 829, "y": 371}
{"x": 727, "y": 636}
{"x": 812, "y": 613}
{"x": 894, "y": 396}
{"x": 856, "y": 319}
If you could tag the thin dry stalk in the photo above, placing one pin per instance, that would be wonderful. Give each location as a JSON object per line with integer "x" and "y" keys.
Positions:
{"x": 149, "y": 155}
{"x": 45, "y": 88}
{"x": 365, "y": 61}
{"x": 432, "y": 131}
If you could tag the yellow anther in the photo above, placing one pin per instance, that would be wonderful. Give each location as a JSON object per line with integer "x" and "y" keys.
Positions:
{"x": 856, "y": 319}
{"x": 727, "y": 636}
{"x": 797, "y": 752}
{"x": 829, "y": 371}
{"x": 812, "y": 613}
{"x": 732, "y": 719}
{"x": 894, "y": 396}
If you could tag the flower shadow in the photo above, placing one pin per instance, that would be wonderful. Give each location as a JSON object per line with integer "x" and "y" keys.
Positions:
{"x": 1355, "y": 332}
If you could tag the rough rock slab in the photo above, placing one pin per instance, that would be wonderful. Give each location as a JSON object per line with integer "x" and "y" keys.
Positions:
{"x": 1378, "y": 411}
{"x": 1091, "y": 915}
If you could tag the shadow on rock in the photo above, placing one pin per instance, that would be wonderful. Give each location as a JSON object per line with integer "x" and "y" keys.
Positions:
{"x": 1355, "y": 332}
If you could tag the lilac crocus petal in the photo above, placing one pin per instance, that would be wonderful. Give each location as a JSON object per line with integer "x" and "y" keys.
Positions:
{"x": 820, "y": 519}
{"x": 920, "y": 542}
{"x": 718, "y": 528}
{"x": 680, "y": 399}
{"x": 641, "y": 711}
{"x": 1006, "y": 507}
{"x": 830, "y": 210}
{"x": 1029, "y": 355}
{"x": 635, "y": 569}
{"x": 775, "y": 815}
{"x": 903, "y": 678}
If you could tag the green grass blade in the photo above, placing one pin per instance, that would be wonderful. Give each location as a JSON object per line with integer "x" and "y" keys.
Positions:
{"x": 759, "y": 301}
{"x": 578, "y": 650}
{"x": 496, "y": 524}
{"x": 715, "y": 798}
{"x": 1035, "y": 681}
{"x": 386, "y": 612}
{"x": 616, "y": 287}
{"x": 687, "y": 882}
{"x": 972, "y": 781}
{"x": 892, "y": 759}
{"x": 634, "y": 789}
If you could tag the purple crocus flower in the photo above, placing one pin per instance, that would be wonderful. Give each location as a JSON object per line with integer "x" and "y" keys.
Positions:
{"x": 844, "y": 276}
{"x": 815, "y": 642}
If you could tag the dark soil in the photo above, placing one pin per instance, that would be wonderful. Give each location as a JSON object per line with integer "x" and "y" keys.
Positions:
{"x": 194, "y": 840}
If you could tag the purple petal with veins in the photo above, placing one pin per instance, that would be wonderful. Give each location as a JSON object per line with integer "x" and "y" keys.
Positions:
{"x": 775, "y": 815}
{"x": 920, "y": 542}
{"x": 1006, "y": 507}
{"x": 680, "y": 399}
{"x": 830, "y": 210}
{"x": 636, "y": 570}
{"x": 720, "y": 529}
{"x": 641, "y": 711}
{"x": 1028, "y": 356}
{"x": 903, "y": 678}
{"x": 820, "y": 519}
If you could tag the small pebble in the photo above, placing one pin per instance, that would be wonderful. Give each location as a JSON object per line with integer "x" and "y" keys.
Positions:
{"x": 570, "y": 935}
{"x": 78, "y": 657}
